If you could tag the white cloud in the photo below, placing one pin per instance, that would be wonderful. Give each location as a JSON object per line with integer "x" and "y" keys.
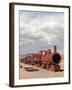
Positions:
{"x": 40, "y": 30}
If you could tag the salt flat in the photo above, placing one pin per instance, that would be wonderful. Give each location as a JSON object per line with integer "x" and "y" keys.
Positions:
{"x": 41, "y": 73}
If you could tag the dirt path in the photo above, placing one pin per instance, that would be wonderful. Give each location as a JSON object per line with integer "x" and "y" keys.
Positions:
{"x": 41, "y": 73}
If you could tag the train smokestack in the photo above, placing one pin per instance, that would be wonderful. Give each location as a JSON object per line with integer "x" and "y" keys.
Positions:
{"x": 56, "y": 57}
{"x": 55, "y": 48}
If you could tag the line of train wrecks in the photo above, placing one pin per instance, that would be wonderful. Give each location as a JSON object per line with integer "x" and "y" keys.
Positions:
{"x": 45, "y": 59}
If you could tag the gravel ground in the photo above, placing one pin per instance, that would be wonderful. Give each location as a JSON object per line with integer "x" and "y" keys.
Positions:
{"x": 41, "y": 73}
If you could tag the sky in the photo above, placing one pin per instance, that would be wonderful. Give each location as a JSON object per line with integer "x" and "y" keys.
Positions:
{"x": 40, "y": 30}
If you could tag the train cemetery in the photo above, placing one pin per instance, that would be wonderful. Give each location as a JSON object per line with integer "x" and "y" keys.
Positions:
{"x": 42, "y": 65}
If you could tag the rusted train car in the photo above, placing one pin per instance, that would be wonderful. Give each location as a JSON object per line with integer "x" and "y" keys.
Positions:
{"x": 45, "y": 59}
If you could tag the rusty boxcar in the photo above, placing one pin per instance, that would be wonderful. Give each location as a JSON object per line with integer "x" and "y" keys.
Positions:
{"x": 45, "y": 59}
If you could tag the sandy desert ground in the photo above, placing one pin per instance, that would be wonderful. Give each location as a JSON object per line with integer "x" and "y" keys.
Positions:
{"x": 41, "y": 73}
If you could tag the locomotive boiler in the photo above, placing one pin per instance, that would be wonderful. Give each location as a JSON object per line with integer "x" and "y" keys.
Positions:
{"x": 45, "y": 59}
{"x": 51, "y": 60}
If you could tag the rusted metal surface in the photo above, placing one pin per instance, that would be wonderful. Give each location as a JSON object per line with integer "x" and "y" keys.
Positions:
{"x": 45, "y": 59}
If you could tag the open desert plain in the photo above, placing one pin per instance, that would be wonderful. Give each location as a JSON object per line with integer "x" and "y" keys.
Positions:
{"x": 39, "y": 72}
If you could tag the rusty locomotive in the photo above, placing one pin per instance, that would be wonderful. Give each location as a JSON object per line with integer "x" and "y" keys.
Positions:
{"x": 44, "y": 59}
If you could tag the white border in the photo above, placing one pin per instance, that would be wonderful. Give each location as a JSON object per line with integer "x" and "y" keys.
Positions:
{"x": 16, "y": 46}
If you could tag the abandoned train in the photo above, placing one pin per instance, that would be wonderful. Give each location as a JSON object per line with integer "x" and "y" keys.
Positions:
{"x": 45, "y": 59}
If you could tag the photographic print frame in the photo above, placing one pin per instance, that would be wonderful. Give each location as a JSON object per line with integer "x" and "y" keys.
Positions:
{"x": 15, "y": 33}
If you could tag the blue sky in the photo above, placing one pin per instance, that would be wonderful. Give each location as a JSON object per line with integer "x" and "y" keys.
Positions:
{"x": 41, "y": 30}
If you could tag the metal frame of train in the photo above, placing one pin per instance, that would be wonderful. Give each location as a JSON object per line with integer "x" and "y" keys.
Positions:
{"x": 45, "y": 59}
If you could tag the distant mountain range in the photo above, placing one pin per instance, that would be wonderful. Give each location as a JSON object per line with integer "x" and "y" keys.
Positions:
{"x": 29, "y": 54}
